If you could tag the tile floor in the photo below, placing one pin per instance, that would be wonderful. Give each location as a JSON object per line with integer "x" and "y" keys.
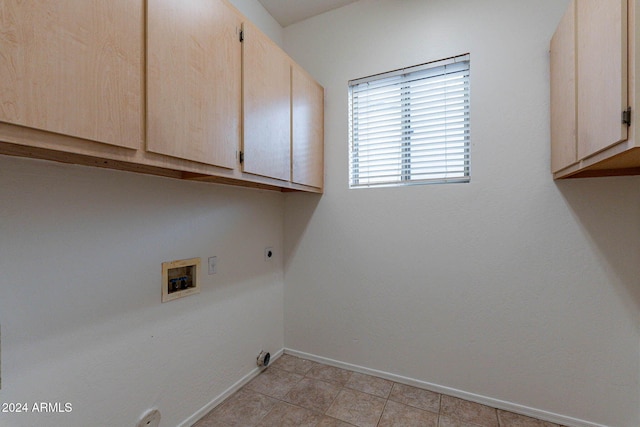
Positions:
{"x": 301, "y": 393}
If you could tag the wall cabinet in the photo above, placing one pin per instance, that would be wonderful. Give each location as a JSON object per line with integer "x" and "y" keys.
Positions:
{"x": 266, "y": 107}
{"x": 307, "y": 124}
{"x": 563, "y": 93}
{"x": 592, "y": 86}
{"x": 81, "y": 80}
{"x": 283, "y": 114}
{"x": 74, "y": 68}
{"x": 193, "y": 81}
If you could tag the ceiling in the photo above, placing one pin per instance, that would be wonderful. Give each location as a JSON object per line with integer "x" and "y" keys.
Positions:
{"x": 288, "y": 12}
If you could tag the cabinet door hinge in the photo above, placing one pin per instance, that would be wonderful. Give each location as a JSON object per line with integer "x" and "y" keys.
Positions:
{"x": 626, "y": 116}
{"x": 242, "y": 157}
{"x": 241, "y": 36}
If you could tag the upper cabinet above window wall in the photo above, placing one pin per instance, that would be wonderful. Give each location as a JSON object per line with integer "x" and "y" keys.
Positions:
{"x": 593, "y": 94}
{"x": 193, "y": 80}
{"x": 74, "y": 68}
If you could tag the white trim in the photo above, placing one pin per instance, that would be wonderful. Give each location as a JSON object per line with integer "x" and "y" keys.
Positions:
{"x": 228, "y": 392}
{"x": 411, "y": 126}
{"x": 400, "y": 71}
{"x": 489, "y": 401}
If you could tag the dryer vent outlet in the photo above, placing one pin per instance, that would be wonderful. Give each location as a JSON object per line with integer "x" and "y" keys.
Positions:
{"x": 263, "y": 359}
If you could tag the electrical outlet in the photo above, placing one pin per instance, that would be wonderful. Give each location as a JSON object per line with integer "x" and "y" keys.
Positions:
{"x": 213, "y": 262}
{"x": 268, "y": 253}
{"x": 150, "y": 419}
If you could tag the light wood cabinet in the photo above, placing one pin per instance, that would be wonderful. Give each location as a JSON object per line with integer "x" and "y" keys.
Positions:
{"x": 283, "y": 114}
{"x": 80, "y": 80}
{"x": 74, "y": 68}
{"x": 563, "y": 92}
{"x": 601, "y": 74}
{"x": 593, "y": 53}
{"x": 307, "y": 124}
{"x": 193, "y": 80}
{"x": 266, "y": 147}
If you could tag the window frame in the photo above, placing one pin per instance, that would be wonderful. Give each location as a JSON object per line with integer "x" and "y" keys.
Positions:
{"x": 406, "y": 170}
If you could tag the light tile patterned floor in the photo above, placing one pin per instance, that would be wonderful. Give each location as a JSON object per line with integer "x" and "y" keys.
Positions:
{"x": 300, "y": 393}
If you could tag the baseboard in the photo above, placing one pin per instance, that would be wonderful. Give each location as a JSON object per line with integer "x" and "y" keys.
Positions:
{"x": 228, "y": 392}
{"x": 495, "y": 403}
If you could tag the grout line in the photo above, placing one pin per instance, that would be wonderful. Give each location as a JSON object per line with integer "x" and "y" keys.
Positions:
{"x": 382, "y": 413}
{"x": 497, "y": 404}
{"x": 218, "y": 400}
{"x": 342, "y": 387}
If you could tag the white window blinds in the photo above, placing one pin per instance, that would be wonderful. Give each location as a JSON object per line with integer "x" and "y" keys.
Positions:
{"x": 410, "y": 126}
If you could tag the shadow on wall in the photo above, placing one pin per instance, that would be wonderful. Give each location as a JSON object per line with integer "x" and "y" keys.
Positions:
{"x": 117, "y": 228}
{"x": 608, "y": 209}
{"x": 299, "y": 210}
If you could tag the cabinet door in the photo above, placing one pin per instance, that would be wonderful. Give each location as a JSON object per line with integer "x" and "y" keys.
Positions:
{"x": 193, "y": 82}
{"x": 266, "y": 106}
{"x": 307, "y": 121}
{"x": 563, "y": 92}
{"x": 602, "y": 74}
{"x": 74, "y": 68}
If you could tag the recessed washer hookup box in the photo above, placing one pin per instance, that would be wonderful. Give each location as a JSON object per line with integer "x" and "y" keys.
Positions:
{"x": 180, "y": 278}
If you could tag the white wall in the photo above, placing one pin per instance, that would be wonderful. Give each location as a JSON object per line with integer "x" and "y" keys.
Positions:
{"x": 80, "y": 268}
{"x": 82, "y": 322}
{"x": 513, "y": 287}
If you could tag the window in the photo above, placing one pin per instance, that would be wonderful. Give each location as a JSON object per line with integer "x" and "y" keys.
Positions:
{"x": 410, "y": 126}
